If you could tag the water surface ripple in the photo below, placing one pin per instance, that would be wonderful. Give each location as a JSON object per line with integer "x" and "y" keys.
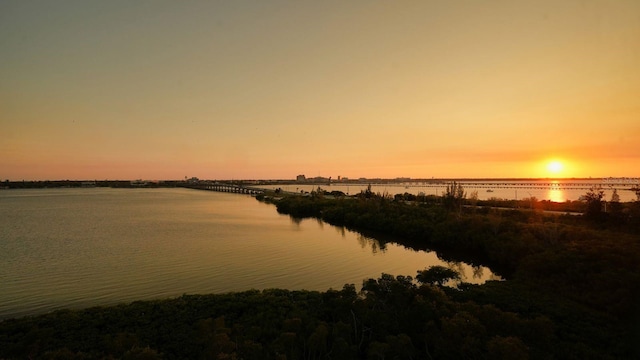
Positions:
{"x": 72, "y": 248}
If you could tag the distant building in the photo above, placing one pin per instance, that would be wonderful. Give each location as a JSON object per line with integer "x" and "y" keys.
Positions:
{"x": 301, "y": 178}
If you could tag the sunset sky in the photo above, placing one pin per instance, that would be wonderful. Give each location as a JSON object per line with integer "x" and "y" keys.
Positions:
{"x": 272, "y": 89}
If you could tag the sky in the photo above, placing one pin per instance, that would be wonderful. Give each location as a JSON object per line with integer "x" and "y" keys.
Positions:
{"x": 273, "y": 89}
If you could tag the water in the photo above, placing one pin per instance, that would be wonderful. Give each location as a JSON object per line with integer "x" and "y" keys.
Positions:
{"x": 73, "y": 248}
{"x": 542, "y": 189}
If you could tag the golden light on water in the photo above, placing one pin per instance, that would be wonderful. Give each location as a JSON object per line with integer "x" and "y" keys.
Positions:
{"x": 555, "y": 194}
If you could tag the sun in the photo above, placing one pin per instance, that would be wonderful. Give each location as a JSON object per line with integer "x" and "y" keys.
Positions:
{"x": 555, "y": 167}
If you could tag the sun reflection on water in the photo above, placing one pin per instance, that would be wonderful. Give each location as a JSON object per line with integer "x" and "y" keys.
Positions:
{"x": 555, "y": 193}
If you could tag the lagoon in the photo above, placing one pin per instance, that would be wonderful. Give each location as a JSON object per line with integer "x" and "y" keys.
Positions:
{"x": 73, "y": 248}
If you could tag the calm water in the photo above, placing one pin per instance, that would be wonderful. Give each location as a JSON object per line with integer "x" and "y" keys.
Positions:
{"x": 558, "y": 190}
{"x": 70, "y": 248}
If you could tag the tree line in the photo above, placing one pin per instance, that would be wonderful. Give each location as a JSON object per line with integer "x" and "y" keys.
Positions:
{"x": 391, "y": 317}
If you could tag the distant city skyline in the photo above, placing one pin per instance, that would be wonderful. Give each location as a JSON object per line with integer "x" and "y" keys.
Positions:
{"x": 274, "y": 89}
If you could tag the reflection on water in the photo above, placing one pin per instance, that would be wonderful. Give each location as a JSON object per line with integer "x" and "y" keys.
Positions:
{"x": 477, "y": 272}
{"x": 375, "y": 245}
{"x": 555, "y": 193}
{"x": 365, "y": 242}
{"x": 341, "y": 230}
{"x": 83, "y": 247}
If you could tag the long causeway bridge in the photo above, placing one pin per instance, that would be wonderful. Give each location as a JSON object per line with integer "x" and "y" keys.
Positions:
{"x": 560, "y": 185}
{"x": 620, "y": 184}
{"x": 224, "y": 187}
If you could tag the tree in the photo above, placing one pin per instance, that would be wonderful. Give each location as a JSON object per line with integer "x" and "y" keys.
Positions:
{"x": 367, "y": 194}
{"x": 615, "y": 206}
{"x": 473, "y": 199}
{"x": 437, "y": 275}
{"x": 509, "y": 347}
{"x": 318, "y": 193}
{"x": 594, "y": 197}
{"x": 454, "y": 196}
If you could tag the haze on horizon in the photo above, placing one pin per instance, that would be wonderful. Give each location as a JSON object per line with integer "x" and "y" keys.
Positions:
{"x": 272, "y": 89}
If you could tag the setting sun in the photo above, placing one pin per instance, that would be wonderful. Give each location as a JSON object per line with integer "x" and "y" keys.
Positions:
{"x": 555, "y": 167}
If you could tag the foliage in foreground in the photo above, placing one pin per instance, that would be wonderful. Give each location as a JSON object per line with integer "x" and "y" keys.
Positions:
{"x": 391, "y": 317}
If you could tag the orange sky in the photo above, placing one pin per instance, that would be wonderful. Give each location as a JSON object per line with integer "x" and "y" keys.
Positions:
{"x": 273, "y": 89}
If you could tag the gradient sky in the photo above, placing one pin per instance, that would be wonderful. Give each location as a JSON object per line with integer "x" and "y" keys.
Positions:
{"x": 273, "y": 89}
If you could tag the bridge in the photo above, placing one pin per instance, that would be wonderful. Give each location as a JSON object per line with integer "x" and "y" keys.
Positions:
{"x": 619, "y": 184}
{"x": 631, "y": 184}
{"x": 531, "y": 185}
{"x": 224, "y": 187}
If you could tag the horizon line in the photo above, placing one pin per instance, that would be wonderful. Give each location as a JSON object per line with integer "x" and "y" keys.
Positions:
{"x": 322, "y": 178}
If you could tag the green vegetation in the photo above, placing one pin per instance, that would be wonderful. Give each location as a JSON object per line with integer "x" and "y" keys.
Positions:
{"x": 572, "y": 289}
{"x": 391, "y": 317}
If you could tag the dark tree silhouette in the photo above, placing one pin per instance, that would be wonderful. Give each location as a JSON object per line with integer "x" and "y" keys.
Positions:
{"x": 594, "y": 197}
{"x": 615, "y": 207}
{"x": 454, "y": 196}
{"x": 437, "y": 275}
